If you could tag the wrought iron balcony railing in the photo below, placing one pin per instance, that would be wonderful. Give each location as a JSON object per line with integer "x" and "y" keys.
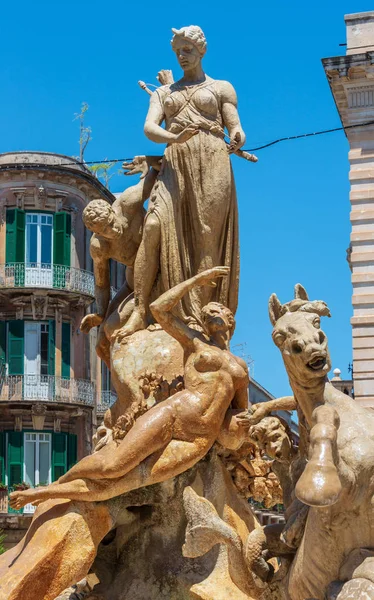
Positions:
{"x": 45, "y": 275}
{"x": 107, "y": 399}
{"x": 46, "y": 388}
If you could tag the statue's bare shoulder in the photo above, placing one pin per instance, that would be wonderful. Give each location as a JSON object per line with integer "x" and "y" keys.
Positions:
{"x": 161, "y": 92}
{"x": 226, "y": 92}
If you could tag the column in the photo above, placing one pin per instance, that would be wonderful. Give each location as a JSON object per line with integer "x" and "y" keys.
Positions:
{"x": 361, "y": 157}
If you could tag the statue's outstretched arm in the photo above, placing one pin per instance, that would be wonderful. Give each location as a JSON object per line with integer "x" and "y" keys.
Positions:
{"x": 263, "y": 409}
{"x": 132, "y": 198}
{"x": 102, "y": 282}
{"x": 148, "y": 167}
{"x": 163, "y": 306}
{"x": 102, "y": 286}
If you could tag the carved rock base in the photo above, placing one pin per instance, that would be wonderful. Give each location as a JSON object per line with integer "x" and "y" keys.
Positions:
{"x": 143, "y": 559}
{"x": 57, "y": 550}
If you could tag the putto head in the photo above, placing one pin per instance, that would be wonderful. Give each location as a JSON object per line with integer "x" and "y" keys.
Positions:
{"x": 273, "y": 437}
{"x": 297, "y": 333}
{"x": 98, "y": 216}
{"x": 192, "y": 34}
{"x": 217, "y": 317}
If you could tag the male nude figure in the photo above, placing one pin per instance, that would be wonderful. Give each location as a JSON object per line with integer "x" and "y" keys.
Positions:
{"x": 117, "y": 233}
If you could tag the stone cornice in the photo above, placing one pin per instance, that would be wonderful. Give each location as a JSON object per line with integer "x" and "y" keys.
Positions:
{"x": 351, "y": 80}
{"x": 71, "y": 176}
{"x": 350, "y": 61}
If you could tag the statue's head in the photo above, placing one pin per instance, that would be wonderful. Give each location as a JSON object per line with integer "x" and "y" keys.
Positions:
{"x": 189, "y": 44}
{"x": 271, "y": 436}
{"x": 217, "y": 318}
{"x": 298, "y": 335}
{"x": 99, "y": 217}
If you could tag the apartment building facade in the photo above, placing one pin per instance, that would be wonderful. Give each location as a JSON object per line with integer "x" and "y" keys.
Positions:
{"x": 53, "y": 387}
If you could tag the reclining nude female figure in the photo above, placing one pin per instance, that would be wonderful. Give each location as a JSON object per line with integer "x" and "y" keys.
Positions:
{"x": 178, "y": 432}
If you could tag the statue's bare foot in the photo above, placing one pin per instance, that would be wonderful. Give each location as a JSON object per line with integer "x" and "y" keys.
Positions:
{"x": 135, "y": 323}
{"x": 18, "y": 500}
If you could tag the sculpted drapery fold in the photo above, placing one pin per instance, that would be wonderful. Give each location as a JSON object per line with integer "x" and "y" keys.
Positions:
{"x": 195, "y": 199}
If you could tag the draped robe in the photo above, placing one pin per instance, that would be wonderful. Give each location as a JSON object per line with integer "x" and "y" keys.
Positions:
{"x": 194, "y": 199}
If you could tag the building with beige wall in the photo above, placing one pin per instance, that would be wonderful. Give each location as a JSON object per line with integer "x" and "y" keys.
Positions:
{"x": 351, "y": 79}
{"x": 53, "y": 387}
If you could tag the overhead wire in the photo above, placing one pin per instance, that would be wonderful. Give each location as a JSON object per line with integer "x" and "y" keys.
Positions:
{"x": 305, "y": 135}
{"x": 262, "y": 147}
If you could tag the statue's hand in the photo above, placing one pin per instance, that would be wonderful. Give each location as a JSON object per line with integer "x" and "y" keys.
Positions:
{"x": 237, "y": 141}
{"x": 206, "y": 277}
{"x": 257, "y": 413}
{"x": 244, "y": 421}
{"x": 90, "y": 321}
{"x": 187, "y": 133}
{"x": 139, "y": 164}
{"x": 142, "y": 164}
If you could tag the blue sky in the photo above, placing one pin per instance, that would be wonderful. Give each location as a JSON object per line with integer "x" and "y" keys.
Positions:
{"x": 294, "y": 206}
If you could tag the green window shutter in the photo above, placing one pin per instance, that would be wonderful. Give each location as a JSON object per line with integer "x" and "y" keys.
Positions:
{"x": 61, "y": 238}
{"x": 51, "y": 347}
{"x": 2, "y": 342}
{"x": 15, "y": 244}
{"x": 59, "y": 455}
{"x": 2, "y": 457}
{"x": 15, "y": 235}
{"x": 15, "y": 347}
{"x": 15, "y": 457}
{"x": 65, "y": 351}
{"x": 72, "y": 450}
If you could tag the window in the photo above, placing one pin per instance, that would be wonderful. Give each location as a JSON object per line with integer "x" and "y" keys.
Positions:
{"x": 28, "y": 348}
{"x": 39, "y": 230}
{"x": 34, "y": 243}
{"x": 37, "y": 458}
{"x": 36, "y": 348}
{"x": 39, "y": 355}
{"x": 38, "y": 250}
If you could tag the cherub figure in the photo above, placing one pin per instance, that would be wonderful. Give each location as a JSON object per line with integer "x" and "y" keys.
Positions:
{"x": 117, "y": 233}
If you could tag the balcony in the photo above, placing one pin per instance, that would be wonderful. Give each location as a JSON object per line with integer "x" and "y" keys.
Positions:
{"x": 46, "y": 388}
{"x": 107, "y": 399}
{"x": 47, "y": 276}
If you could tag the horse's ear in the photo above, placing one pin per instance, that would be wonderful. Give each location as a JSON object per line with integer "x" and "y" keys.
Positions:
{"x": 275, "y": 309}
{"x": 300, "y": 292}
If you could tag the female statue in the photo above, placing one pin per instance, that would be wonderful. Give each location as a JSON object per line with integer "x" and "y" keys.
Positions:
{"x": 178, "y": 432}
{"x": 192, "y": 221}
